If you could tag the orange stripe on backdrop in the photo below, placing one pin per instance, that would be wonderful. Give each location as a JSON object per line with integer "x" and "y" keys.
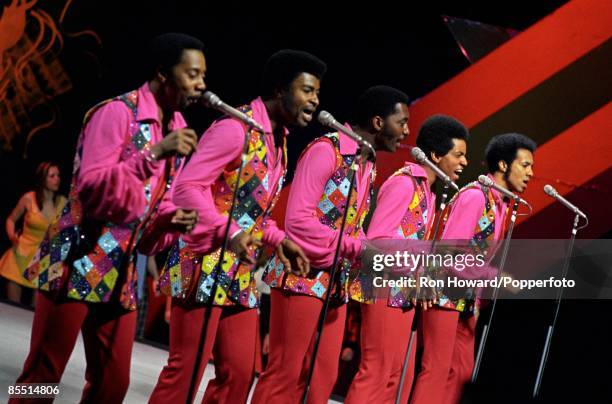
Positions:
{"x": 575, "y": 156}
{"x": 512, "y": 70}
{"x": 505, "y": 74}
{"x": 580, "y": 152}
{"x": 523, "y": 62}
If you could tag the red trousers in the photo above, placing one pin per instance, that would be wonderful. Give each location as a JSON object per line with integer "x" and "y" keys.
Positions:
{"x": 108, "y": 335}
{"x": 293, "y": 323}
{"x": 448, "y": 356}
{"x": 230, "y": 339}
{"x": 385, "y": 332}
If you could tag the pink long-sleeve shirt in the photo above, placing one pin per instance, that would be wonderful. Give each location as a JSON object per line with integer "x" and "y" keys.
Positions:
{"x": 394, "y": 198}
{"x": 463, "y": 218}
{"x": 111, "y": 180}
{"x": 467, "y": 209}
{"x": 159, "y": 234}
{"x": 220, "y": 149}
{"x": 313, "y": 170}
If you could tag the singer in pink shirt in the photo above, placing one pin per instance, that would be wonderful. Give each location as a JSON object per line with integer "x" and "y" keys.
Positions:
{"x": 405, "y": 210}
{"x": 316, "y": 238}
{"x": 221, "y": 146}
{"x": 225, "y": 298}
{"x": 126, "y": 156}
{"x": 315, "y": 209}
{"x": 477, "y": 216}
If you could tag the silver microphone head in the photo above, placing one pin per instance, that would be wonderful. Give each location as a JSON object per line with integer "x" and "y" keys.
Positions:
{"x": 211, "y": 99}
{"x": 484, "y": 180}
{"x": 418, "y": 154}
{"x": 549, "y": 190}
{"x": 326, "y": 119}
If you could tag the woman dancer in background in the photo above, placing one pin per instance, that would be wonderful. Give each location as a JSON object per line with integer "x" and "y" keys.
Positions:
{"x": 40, "y": 207}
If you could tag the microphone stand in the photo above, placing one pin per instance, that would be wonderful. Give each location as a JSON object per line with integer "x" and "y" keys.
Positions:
{"x": 332, "y": 276}
{"x": 551, "y": 327}
{"x": 194, "y": 375}
{"x": 487, "y": 327}
{"x": 413, "y": 331}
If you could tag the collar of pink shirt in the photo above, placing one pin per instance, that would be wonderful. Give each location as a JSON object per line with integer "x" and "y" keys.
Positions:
{"x": 417, "y": 170}
{"x": 148, "y": 109}
{"x": 499, "y": 198}
{"x": 347, "y": 145}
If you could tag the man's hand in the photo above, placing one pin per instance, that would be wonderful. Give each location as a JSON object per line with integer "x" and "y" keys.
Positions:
{"x": 367, "y": 256}
{"x": 182, "y": 142}
{"x": 242, "y": 244}
{"x": 293, "y": 258}
{"x": 426, "y": 298}
{"x": 184, "y": 220}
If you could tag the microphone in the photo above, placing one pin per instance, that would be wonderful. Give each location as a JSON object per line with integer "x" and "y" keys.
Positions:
{"x": 213, "y": 101}
{"x": 327, "y": 119}
{"x": 488, "y": 182}
{"x": 421, "y": 158}
{"x": 552, "y": 192}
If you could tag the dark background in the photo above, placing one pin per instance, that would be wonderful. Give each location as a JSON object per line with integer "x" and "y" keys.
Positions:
{"x": 390, "y": 43}
{"x": 399, "y": 44}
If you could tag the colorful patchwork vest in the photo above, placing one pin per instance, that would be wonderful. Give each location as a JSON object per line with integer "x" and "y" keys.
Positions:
{"x": 415, "y": 225}
{"x": 94, "y": 256}
{"x": 329, "y": 211}
{"x": 480, "y": 243}
{"x": 234, "y": 282}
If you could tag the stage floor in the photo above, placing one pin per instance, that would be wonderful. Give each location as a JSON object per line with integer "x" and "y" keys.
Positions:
{"x": 147, "y": 362}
